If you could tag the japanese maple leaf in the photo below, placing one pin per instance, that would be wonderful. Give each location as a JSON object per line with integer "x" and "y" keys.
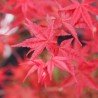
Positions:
{"x": 59, "y": 62}
{"x": 39, "y": 66}
{"x": 63, "y": 21}
{"x": 73, "y": 52}
{"x": 82, "y": 10}
{"x": 42, "y": 37}
{"x": 84, "y": 79}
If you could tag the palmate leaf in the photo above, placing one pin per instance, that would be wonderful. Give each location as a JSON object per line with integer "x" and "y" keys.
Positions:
{"x": 72, "y": 53}
{"x": 60, "y": 62}
{"x": 42, "y": 37}
{"x": 66, "y": 22}
{"x": 84, "y": 80}
{"x": 82, "y": 11}
{"x": 36, "y": 65}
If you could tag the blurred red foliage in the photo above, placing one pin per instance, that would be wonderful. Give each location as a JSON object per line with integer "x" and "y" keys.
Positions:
{"x": 48, "y": 48}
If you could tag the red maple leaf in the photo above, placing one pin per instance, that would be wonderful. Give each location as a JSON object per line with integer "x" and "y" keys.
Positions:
{"x": 82, "y": 10}
{"x": 64, "y": 21}
{"x": 59, "y": 62}
{"x": 83, "y": 77}
{"x": 42, "y": 37}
